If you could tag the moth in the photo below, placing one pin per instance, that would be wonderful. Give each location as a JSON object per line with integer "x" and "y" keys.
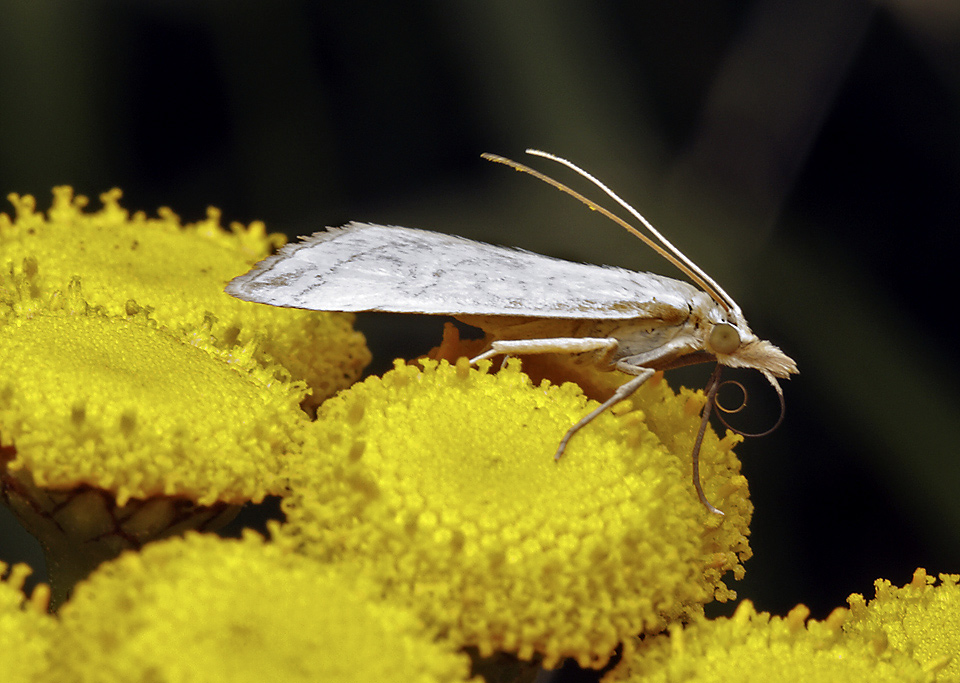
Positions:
{"x": 527, "y": 303}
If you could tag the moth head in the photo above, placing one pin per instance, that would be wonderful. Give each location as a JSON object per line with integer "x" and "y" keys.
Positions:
{"x": 723, "y": 339}
{"x": 734, "y": 345}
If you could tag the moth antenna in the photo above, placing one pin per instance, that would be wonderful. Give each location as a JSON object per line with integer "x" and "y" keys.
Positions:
{"x": 711, "y": 287}
{"x": 694, "y": 273}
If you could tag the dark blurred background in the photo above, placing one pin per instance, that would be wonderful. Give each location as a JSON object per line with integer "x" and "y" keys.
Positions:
{"x": 805, "y": 154}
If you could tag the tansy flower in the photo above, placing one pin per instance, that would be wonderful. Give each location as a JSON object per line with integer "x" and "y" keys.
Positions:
{"x": 752, "y": 646}
{"x": 25, "y": 627}
{"x": 205, "y": 609}
{"x": 115, "y": 430}
{"x": 177, "y": 273}
{"x": 441, "y": 484}
{"x": 921, "y": 620}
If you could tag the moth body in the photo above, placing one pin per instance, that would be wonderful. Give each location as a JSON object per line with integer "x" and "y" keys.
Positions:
{"x": 667, "y": 337}
{"x": 527, "y": 303}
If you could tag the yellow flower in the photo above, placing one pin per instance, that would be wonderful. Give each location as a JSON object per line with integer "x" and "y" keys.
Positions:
{"x": 26, "y": 629}
{"x": 114, "y": 430}
{"x": 177, "y": 273}
{"x": 752, "y": 646}
{"x": 441, "y": 484}
{"x": 204, "y": 609}
{"x": 121, "y": 404}
{"x": 921, "y": 620}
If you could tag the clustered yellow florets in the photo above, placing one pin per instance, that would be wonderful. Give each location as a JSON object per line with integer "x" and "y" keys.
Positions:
{"x": 904, "y": 634}
{"x": 26, "y": 630}
{"x": 200, "y": 608}
{"x": 755, "y": 647}
{"x": 136, "y": 397}
{"x": 120, "y": 404}
{"x": 441, "y": 483}
{"x": 921, "y": 620}
{"x": 126, "y": 367}
{"x": 177, "y": 273}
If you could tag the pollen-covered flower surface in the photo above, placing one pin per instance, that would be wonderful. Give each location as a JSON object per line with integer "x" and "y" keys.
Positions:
{"x": 121, "y": 404}
{"x": 754, "y": 647}
{"x": 177, "y": 273}
{"x": 115, "y": 430}
{"x": 26, "y": 630}
{"x": 441, "y": 484}
{"x": 921, "y": 620}
{"x": 204, "y": 609}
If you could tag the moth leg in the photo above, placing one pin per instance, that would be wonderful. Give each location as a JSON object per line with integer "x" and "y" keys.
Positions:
{"x": 623, "y": 391}
{"x": 519, "y": 347}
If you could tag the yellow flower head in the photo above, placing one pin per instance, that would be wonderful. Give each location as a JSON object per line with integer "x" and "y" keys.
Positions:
{"x": 200, "y": 608}
{"x": 755, "y": 647}
{"x": 921, "y": 620}
{"x": 177, "y": 273}
{"x": 119, "y": 403}
{"x": 114, "y": 430}
{"x": 26, "y": 629}
{"x": 441, "y": 483}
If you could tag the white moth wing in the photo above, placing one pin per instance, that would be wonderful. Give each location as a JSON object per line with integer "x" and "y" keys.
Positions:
{"x": 367, "y": 267}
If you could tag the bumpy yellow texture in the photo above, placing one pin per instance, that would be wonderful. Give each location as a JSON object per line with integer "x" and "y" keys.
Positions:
{"x": 921, "y": 620}
{"x": 25, "y": 628}
{"x": 178, "y": 274}
{"x": 119, "y": 403}
{"x": 205, "y": 609}
{"x": 755, "y": 647}
{"x": 441, "y": 483}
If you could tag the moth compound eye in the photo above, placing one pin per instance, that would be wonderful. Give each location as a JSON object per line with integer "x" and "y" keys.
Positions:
{"x": 724, "y": 339}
